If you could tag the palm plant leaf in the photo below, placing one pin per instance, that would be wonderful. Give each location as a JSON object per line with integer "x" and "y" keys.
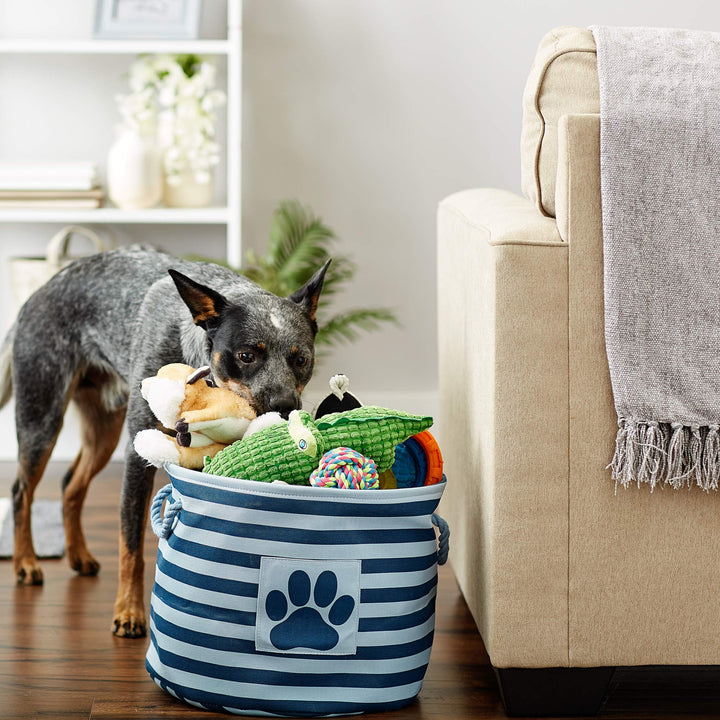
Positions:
{"x": 299, "y": 244}
{"x": 340, "y": 272}
{"x": 347, "y": 326}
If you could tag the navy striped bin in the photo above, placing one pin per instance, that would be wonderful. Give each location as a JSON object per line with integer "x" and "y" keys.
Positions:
{"x": 274, "y": 599}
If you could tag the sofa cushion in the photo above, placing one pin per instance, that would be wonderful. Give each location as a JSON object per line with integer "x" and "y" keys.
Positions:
{"x": 563, "y": 80}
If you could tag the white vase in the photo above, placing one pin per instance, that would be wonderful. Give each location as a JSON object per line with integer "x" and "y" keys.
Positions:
{"x": 134, "y": 171}
{"x": 188, "y": 192}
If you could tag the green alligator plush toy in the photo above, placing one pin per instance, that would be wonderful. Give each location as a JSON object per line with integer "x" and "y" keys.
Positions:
{"x": 291, "y": 451}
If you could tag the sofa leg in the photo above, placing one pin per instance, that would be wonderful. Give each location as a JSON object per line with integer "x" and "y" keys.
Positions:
{"x": 553, "y": 692}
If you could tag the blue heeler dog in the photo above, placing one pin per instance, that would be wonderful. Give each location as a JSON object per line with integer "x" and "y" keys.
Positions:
{"x": 92, "y": 334}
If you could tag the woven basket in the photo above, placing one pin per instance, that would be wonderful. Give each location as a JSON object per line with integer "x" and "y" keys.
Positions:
{"x": 27, "y": 274}
{"x": 293, "y": 600}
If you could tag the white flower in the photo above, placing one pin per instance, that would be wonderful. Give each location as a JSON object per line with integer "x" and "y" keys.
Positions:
{"x": 206, "y": 75}
{"x": 212, "y": 100}
{"x": 167, "y": 95}
{"x": 178, "y": 109}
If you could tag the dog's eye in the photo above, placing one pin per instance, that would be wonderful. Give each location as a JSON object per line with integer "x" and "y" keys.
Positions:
{"x": 247, "y": 358}
{"x": 300, "y": 361}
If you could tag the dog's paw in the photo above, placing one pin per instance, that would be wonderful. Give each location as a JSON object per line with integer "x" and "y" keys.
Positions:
{"x": 28, "y": 572}
{"x": 83, "y": 563}
{"x": 127, "y": 626}
{"x": 156, "y": 447}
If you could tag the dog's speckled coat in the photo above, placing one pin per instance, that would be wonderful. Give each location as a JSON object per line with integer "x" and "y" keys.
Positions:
{"x": 92, "y": 334}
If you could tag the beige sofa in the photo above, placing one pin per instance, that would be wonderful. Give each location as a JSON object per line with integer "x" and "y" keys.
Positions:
{"x": 566, "y": 577}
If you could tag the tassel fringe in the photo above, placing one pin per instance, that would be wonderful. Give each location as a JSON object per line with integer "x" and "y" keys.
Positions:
{"x": 671, "y": 454}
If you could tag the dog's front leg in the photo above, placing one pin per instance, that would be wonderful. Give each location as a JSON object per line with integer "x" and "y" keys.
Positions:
{"x": 129, "y": 614}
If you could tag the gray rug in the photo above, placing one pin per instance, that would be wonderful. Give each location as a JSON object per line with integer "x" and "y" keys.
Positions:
{"x": 47, "y": 528}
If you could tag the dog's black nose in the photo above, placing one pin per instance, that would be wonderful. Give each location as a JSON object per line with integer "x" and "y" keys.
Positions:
{"x": 283, "y": 404}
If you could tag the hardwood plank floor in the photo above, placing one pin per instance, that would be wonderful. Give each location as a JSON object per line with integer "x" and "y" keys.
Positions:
{"x": 58, "y": 658}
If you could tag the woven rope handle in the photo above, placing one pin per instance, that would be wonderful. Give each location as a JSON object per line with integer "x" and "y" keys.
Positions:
{"x": 57, "y": 249}
{"x": 443, "y": 539}
{"x": 163, "y": 526}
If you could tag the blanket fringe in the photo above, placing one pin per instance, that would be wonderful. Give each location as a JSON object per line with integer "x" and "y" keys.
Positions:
{"x": 671, "y": 454}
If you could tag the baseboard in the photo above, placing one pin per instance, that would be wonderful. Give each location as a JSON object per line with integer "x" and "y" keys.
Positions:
{"x": 68, "y": 445}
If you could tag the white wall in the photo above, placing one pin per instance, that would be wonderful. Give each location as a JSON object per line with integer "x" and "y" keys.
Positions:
{"x": 369, "y": 111}
{"x": 372, "y": 111}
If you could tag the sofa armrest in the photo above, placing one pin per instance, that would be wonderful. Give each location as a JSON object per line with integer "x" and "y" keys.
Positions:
{"x": 503, "y": 421}
{"x": 502, "y": 217}
{"x": 578, "y": 157}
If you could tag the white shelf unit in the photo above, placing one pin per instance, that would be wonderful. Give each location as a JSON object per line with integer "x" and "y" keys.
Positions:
{"x": 229, "y": 215}
{"x": 111, "y": 215}
{"x": 114, "y": 47}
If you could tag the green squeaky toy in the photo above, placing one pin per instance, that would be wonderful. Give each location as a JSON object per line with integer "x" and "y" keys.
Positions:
{"x": 291, "y": 451}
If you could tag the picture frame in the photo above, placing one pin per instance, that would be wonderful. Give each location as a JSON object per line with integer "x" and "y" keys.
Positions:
{"x": 147, "y": 19}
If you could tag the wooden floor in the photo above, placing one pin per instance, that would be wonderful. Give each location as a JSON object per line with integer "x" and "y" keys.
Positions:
{"x": 58, "y": 658}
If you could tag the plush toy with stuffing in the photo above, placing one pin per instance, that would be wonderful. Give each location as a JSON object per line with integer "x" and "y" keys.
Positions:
{"x": 339, "y": 399}
{"x": 291, "y": 451}
{"x": 205, "y": 418}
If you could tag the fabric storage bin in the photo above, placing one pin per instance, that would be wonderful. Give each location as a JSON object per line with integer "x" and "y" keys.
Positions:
{"x": 293, "y": 600}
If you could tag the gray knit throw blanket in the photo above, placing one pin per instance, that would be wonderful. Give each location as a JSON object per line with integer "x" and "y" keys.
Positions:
{"x": 660, "y": 176}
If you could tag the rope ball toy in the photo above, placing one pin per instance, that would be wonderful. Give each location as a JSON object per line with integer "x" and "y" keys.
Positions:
{"x": 344, "y": 468}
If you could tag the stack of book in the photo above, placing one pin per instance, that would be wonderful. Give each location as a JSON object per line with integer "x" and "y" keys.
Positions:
{"x": 49, "y": 185}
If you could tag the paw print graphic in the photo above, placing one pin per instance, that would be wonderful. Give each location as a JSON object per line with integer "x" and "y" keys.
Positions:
{"x": 307, "y": 616}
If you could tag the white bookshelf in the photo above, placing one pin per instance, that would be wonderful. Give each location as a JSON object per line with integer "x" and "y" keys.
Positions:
{"x": 112, "y": 215}
{"x": 229, "y": 215}
{"x": 114, "y": 47}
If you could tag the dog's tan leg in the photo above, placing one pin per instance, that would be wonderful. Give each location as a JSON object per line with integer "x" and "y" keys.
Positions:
{"x": 25, "y": 563}
{"x": 38, "y": 418}
{"x": 100, "y": 431}
{"x": 129, "y": 614}
{"x": 129, "y": 611}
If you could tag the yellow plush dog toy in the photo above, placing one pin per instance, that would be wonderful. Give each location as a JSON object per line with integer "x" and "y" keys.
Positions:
{"x": 205, "y": 418}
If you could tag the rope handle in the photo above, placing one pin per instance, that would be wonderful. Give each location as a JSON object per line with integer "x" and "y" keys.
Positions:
{"x": 57, "y": 248}
{"x": 163, "y": 526}
{"x": 443, "y": 539}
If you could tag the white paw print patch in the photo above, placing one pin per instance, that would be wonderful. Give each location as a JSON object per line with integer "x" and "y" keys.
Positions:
{"x": 308, "y": 606}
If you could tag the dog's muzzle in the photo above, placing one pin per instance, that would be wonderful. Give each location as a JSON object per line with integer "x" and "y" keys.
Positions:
{"x": 283, "y": 403}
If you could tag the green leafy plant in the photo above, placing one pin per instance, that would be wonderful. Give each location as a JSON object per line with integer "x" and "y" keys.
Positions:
{"x": 299, "y": 243}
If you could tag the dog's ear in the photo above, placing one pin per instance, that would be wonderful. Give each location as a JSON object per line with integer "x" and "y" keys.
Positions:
{"x": 205, "y": 304}
{"x": 309, "y": 294}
